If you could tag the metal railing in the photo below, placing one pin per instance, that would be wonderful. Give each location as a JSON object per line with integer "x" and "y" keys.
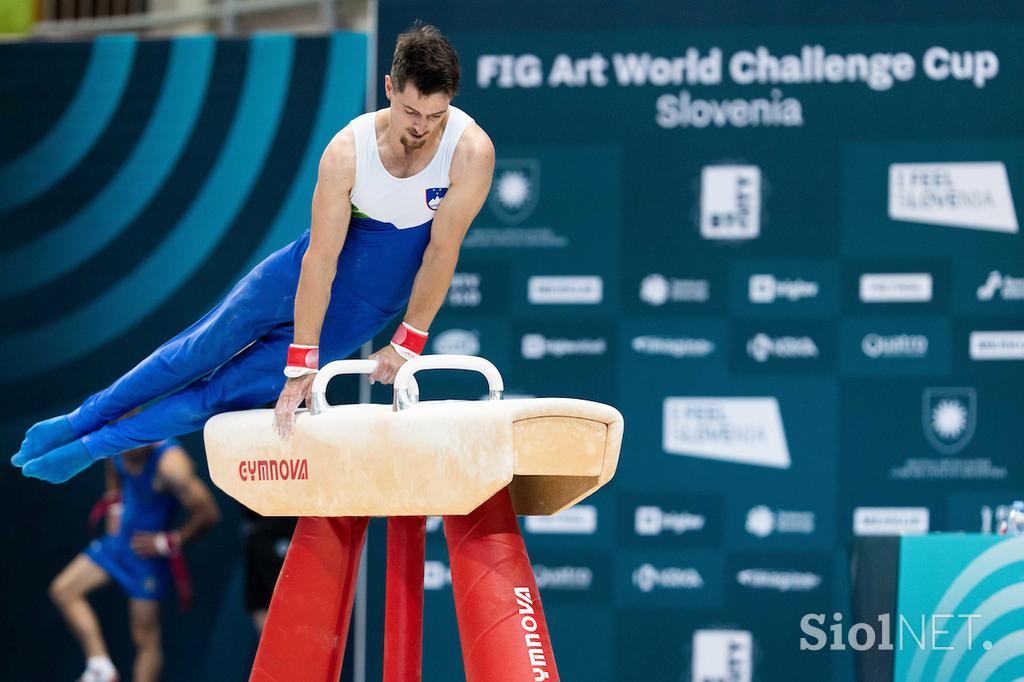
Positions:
{"x": 63, "y": 18}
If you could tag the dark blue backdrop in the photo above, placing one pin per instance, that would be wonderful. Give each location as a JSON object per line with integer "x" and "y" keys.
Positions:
{"x": 775, "y": 279}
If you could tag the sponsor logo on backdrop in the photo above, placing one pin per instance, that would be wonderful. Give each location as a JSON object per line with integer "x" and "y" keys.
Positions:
{"x": 730, "y": 202}
{"x": 651, "y": 520}
{"x": 904, "y": 287}
{"x": 763, "y": 521}
{"x": 553, "y": 289}
{"x": 1007, "y": 287}
{"x": 436, "y": 575}
{"x": 464, "y": 291}
{"x": 576, "y": 578}
{"x": 975, "y": 196}
{"x": 762, "y": 348}
{"x": 434, "y": 524}
{"x": 768, "y": 289}
{"x": 949, "y": 416}
{"x": 457, "y": 342}
{"x": 895, "y": 346}
{"x": 658, "y": 290}
{"x": 780, "y": 581}
{"x": 872, "y": 521}
{"x": 673, "y": 347}
{"x": 722, "y": 656}
{"x": 998, "y": 345}
{"x": 538, "y": 346}
{"x": 648, "y": 578}
{"x": 516, "y": 189}
{"x": 741, "y": 430}
{"x": 578, "y": 520}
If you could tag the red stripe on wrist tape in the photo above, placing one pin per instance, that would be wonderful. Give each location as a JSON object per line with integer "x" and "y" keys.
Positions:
{"x": 410, "y": 339}
{"x": 304, "y": 356}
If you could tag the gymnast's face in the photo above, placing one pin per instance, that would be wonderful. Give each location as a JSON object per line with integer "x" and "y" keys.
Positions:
{"x": 418, "y": 117}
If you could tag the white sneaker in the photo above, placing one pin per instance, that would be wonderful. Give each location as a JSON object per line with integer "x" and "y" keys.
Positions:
{"x": 99, "y": 676}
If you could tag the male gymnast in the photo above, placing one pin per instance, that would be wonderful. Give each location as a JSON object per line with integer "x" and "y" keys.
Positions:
{"x": 396, "y": 192}
{"x": 152, "y": 483}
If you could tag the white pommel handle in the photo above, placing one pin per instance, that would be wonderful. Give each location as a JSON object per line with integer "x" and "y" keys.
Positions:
{"x": 336, "y": 368}
{"x": 407, "y": 392}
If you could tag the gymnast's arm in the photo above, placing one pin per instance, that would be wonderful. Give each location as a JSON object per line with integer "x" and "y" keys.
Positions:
{"x": 331, "y": 213}
{"x": 470, "y": 176}
{"x": 176, "y": 474}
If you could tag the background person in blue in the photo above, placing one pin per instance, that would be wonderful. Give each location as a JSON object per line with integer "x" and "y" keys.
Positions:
{"x": 396, "y": 192}
{"x": 154, "y": 482}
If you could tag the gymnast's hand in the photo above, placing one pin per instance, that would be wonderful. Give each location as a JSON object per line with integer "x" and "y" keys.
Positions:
{"x": 294, "y": 392}
{"x": 388, "y": 363}
{"x": 148, "y": 545}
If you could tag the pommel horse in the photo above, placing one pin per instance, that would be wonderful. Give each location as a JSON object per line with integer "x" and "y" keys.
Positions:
{"x": 476, "y": 463}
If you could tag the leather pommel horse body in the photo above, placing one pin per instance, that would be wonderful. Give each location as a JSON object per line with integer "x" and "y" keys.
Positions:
{"x": 476, "y": 463}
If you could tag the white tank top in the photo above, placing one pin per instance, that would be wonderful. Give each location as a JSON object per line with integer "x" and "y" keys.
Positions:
{"x": 401, "y": 202}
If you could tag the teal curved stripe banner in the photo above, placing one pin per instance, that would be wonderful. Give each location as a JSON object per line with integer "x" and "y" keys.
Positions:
{"x": 135, "y": 184}
{"x": 85, "y": 119}
{"x": 991, "y": 666}
{"x": 971, "y": 585}
{"x": 217, "y": 173}
{"x": 341, "y": 99}
{"x": 1000, "y": 604}
{"x": 160, "y": 274}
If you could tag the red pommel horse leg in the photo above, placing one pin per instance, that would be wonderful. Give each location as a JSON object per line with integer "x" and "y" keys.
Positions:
{"x": 307, "y": 623}
{"x": 403, "y": 599}
{"x": 502, "y": 628}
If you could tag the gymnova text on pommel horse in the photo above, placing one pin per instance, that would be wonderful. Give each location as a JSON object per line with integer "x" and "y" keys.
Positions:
{"x": 476, "y": 463}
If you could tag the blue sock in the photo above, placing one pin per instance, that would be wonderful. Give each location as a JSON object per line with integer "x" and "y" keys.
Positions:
{"x": 61, "y": 464}
{"x": 43, "y": 437}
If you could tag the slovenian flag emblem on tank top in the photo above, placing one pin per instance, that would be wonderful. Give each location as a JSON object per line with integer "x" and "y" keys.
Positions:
{"x": 434, "y": 195}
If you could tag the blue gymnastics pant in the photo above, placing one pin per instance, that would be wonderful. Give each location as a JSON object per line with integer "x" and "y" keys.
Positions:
{"x": 231, "y": 359}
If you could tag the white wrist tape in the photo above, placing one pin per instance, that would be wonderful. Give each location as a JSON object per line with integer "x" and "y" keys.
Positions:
{"x": 163, "y": 547}
{"x": 404, "y": 352}
{"x": 302, "y": 360}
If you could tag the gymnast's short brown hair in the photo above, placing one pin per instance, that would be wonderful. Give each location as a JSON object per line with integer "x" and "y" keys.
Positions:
{"x": 426, "y": 59}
